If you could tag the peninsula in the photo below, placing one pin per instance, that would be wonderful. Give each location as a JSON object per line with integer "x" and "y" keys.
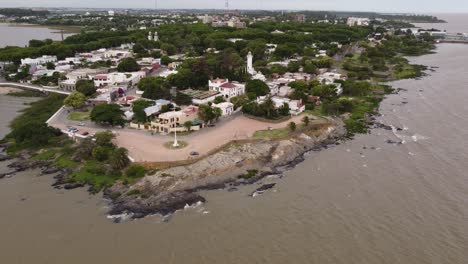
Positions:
{"x": 152, "y": 115}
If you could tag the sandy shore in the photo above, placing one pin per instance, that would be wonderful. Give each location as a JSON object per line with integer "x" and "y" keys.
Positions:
{"x": 7, "y": 90}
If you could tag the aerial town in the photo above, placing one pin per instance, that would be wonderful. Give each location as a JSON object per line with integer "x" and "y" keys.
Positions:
{"x": 147, "y": 80}
{"x": 153, "y": 103}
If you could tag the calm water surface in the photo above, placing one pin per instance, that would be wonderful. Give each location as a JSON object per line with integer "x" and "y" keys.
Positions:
{"x": 19, "y": 35}
{"x": 363, "y": 202}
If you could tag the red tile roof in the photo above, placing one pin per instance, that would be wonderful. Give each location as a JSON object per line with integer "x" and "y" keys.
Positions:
{"x": 228, "y": 85}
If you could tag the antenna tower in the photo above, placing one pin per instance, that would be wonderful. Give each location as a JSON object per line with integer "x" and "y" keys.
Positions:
{"x": 226, "y": 6}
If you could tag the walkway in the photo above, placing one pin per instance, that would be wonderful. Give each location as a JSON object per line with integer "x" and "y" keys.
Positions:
{"x": 33, "y": 87}
{"x": 143, "y": 146}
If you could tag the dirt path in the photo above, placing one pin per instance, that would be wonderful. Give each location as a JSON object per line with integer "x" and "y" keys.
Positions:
{"x": 144, "y": 147}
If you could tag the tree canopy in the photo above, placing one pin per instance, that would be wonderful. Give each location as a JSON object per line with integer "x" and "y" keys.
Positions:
{"x": 85, "y": 87}
{"x": 128, "y": 65}
{"x": 75, "y": 100}
{"x": 107, "y": 114}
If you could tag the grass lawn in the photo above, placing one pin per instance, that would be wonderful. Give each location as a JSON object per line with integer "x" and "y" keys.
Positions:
{"x": 182, "y": 144}
{"x": 79, "y": 116}
{"x": 65, "y": 162}
{"x": 46, "y": 155}
{"x": 273, "y": 134}
{"x": 94, "y": 174}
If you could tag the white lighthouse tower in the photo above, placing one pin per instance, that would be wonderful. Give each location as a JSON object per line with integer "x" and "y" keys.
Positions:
{"x": 250, "y": 68}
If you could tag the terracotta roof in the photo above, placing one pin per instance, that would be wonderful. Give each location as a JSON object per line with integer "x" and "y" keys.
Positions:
{"x": 190, "y": 110}
{"x": 228, "y": 85}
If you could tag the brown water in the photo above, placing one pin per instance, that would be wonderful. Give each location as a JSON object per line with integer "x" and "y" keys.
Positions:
{"x": 19, "y": 35}
{"x": 390, "y": 204}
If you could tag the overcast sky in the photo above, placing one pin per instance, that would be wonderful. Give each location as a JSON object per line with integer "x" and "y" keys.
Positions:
{"x": 407, "y": 6}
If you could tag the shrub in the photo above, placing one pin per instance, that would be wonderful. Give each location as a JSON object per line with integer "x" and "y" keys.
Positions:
{"x": 136, "y": 171}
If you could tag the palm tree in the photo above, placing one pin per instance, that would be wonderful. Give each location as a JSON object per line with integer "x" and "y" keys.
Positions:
{"x": 306, "y": 120}
{"x": 292, "y": 126}
{"x": 188, "y": 125}
{"x": 269, "y": 107}
{"x": 217, "y": 113}
{"x": 119, "y": 159}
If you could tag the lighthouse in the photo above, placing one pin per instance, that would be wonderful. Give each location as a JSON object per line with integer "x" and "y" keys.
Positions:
{"x": 250, "y": 68}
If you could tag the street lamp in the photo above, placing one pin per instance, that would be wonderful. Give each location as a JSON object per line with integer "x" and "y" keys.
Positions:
{"x": 176, "y": 143}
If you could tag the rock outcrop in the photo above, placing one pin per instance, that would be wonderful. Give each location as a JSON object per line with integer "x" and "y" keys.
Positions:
{"x": 169, "y": 190}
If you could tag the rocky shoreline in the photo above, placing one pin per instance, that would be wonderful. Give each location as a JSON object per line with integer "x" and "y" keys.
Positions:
{"x": 172, "y": 189}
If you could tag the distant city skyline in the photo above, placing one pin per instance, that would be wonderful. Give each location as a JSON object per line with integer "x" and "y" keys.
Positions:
{"x": 400, "y": 6}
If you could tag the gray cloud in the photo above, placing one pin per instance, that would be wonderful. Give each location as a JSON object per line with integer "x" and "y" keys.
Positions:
{"x": 413, "y": 6}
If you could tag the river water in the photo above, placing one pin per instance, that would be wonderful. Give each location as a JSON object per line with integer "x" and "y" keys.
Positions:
{"x": 19, "y": 35}
{"x": 364, "y": 201}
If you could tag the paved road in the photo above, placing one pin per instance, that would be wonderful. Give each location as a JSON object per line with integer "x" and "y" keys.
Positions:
{"x": 32, "y": 87}
{"x": 143, "y": 146}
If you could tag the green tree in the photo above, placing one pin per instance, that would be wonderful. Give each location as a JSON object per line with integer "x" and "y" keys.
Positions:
{"x": 206, "y": 113}
{"x": 219, "y": 99}
{"x": 188, "y": 125}
{"x": 128, "y": 65}
{"x": 50, "y": 66}
{"x": 139, "y": 107}
{"x": 154, "y": 88}
{"x": 100, "y": 153}
{"x": 279, "y": 69}
{"x": 269, "y": 108}
{"x": 310, "y": 68}
{"x": 107, "y": 114}
{"x": 294, "y": 66}
{"x": 169, "y": 48}
{"x": 136, "y": 171}
{"x": 306, "y": 121}
{"x": 85, "y": 87}
{"x": 257, "y": 88}
{"x": 183, "y": 99}
{"x": 119, "y": 159}
{"x": 104, "y": 138}
{"x": 33, "y": 133}
{"x": 217, "y": 112}
{"x": 284, "y": 110}
{"x": 292, "y": 126}
{"x": 75, "y": 100}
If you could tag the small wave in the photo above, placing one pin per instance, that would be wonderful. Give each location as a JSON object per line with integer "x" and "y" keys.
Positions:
{"x": 418, "y": 137}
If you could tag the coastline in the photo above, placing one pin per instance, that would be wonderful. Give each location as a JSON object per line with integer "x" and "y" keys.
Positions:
{"x": 7, "y": 90}
{"x": 172, "y": 189}
{"x": 246, "y": 162}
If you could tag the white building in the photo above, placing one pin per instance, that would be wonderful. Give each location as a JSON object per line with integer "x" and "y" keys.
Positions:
{"x": 38, "y": 61}
{"x": 227, "y": 108}
{"x": 207, "y": 19}
{"x": 153, "y": 37}
{"x": 157, "y": 107}
{"x": 330, "y": 77}
{"x": 118, "y": 78}
{"x": 250, "y": 69}
{"x": 201, "y": 97}
{"x": 295, "y": 106}
{"x": 226, "y": 88}
{"x": 358, "y": 21}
